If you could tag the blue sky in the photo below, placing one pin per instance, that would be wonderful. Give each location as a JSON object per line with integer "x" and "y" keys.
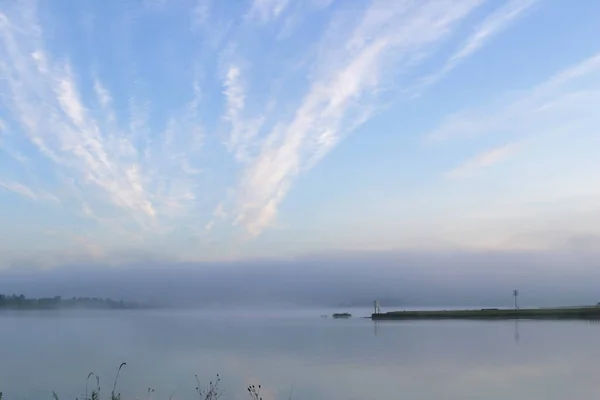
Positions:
{"x": 208, "y": 130}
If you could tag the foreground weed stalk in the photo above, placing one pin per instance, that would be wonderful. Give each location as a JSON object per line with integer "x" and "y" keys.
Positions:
{"x": 254, "y": 392}
{"x": 95, "y": 392}
{"x": 113, "y": 394}
{"x": 212, "y": 392}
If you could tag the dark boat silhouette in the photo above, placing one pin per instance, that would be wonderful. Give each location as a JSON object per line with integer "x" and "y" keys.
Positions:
{"x": 342, "y": 315}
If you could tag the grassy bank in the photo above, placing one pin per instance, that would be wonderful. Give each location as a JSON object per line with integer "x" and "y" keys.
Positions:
{"x": 587, "y": 313}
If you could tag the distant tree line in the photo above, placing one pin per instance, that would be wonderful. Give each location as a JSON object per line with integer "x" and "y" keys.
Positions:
{"x": 18, "y": 302}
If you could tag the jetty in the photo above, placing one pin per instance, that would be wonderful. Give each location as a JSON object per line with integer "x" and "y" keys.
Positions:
{"x": 584, "y": 313}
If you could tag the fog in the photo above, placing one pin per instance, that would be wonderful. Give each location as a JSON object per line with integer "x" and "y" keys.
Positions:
{"x": 332, "y": 280}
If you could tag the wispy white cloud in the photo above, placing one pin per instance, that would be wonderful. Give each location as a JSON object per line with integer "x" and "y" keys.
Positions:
{"x": 491, "y": 26}
{"x": 234, "y": 91}
{"x": 243, "y": 130}
{"x": 121, "y": 168}
{"x": 19, "y": 189}
{"x": 348, "y": 80}
{"x": 219, "y": 213}
{"x": 16, "y": 155}
{"x": 551, "y": 130}
{"x": 235, "y": 97}
{"x": 28, "y": 192}
{"x": 566, "y": 98}
{"x": 484, "y": 160}
{"x": 103, "y": 95}
{"x": 5, "y": 137}
{"x": 299, "y": 13}
{"x": 170, "y": 164}
{"x": 266, "y": 10}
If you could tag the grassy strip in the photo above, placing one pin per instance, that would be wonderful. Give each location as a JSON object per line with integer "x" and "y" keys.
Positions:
{"x": 533, "y": 313}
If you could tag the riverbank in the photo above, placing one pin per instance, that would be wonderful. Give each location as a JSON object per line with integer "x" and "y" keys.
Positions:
{"x": 494, "y": 313}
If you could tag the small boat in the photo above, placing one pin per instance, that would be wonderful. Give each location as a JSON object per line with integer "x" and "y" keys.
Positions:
{"x": 342, "y": 315}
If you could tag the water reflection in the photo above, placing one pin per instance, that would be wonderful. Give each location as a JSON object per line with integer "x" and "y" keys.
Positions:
{"x": 321, "y": 358}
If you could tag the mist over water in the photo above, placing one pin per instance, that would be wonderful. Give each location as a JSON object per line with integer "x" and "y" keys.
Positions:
{"x": 349, "y": 279}
{"x": 320, "y": 358}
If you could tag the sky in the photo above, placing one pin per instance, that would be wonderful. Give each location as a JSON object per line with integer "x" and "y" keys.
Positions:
{"x": 200, "y": 131}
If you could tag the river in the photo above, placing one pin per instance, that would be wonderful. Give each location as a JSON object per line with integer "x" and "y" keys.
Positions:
{"x": 295, "y": 352}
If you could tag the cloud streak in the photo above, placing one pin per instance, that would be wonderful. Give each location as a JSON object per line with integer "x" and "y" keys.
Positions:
{"x": 27, "y": 192}
{"x": 265, "y": 10}
{"x": 107, "y": 164}
{"x": 351, "y": 74}
{"x": 563, "y": 99}
{"x": 242, "y": 131}
{"x": 487, "y": 30}
{"x": 484, "y": 160}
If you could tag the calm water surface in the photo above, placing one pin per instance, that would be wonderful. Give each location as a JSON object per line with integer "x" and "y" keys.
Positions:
{"x": 319, "y": 359}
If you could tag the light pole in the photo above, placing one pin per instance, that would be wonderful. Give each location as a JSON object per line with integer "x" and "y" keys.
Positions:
{"x": 376, "y": 308}
{"x": 516, "y": 295}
